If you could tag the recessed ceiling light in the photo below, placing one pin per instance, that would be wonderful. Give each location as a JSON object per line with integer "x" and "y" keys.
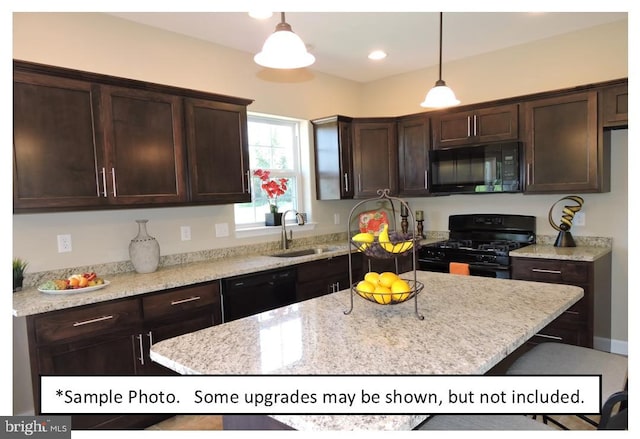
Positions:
{"x": 260, "y": 15}
{"x": 377, "y": 54}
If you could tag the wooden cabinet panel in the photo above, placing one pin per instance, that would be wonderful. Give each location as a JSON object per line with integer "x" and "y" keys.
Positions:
{"x": 87, "y": 321}
{"x": 143, "y": 135}
{"x": 218, "y": 151}
{"x": 55, "y": 151}
{"x": 483, "y": 125}
{"x": 615, "y": 106}
{"x": 413, "y": 152}
{"x": 326, "y": 276}
{"x": 333, "y": 158}
{"x": 591, "y": 315}
{"x": 180, "y": 300}
{"x": 562, "y": 153}
{"x": 375, "y": 156}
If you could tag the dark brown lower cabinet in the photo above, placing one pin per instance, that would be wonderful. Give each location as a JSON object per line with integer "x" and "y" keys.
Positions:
{"x": 114, "y": 338}
{"x": 317, "y": 278}
{"x": 591, "y": 316}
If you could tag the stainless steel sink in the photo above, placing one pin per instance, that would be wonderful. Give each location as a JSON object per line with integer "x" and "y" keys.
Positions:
{"x": 304, "y": 252}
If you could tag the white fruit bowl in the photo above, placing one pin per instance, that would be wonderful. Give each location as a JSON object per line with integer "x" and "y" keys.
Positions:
{"x": 390, "y": 298}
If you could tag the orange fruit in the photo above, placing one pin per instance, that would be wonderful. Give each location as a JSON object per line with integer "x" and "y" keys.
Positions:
{"x": 83, "y": 282}
{"x": 387, "y": 279}
{"x": 74, "y": 282}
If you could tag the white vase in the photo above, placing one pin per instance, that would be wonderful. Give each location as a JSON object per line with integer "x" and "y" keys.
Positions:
{"x": 144, "y": 250}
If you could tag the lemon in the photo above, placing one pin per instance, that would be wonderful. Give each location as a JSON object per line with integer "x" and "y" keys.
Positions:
{"x": 372, "y": 277}
{"x": 401, "y": 290}
{"x": 387, "y": 279}
{"x": 382, "y": 294}
{"x": 365, "y": 286}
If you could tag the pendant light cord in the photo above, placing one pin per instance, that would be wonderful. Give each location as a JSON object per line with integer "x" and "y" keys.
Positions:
{"x": 440, "y": 63}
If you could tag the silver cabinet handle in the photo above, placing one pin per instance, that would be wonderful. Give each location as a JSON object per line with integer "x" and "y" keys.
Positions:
{"x": 249, "y": 182}
{"x": 574, "y": 313}
{"x": 96, "y": 320}
{"x": 529, "y": 168}
{"x": 113, "y": 180}
{"x": 190, "y": 299}
{"x": 551, "y": 337}
{"x": 103, "y": 172}
{"x": 475, "y": 124}
{"x": 542, "y": 270}
{"x": 346, "y": 182}
{"x": 426, "y": 179}
{"x": 150, "y": 335}
{"x": 141, "y": 357}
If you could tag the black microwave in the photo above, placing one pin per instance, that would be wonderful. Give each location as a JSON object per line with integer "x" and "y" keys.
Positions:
{"x": 476, "y": 169}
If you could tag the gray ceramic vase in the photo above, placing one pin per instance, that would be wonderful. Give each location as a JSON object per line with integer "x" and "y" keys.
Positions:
{"x": 144, "y": 250}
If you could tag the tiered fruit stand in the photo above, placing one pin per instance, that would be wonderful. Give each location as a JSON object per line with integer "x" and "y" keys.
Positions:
{"x": 404, "y": 243}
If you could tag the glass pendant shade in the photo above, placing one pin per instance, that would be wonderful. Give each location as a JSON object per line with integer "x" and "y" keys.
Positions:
{"x": 284, "y": 50}
{"x": 440, "y": 96}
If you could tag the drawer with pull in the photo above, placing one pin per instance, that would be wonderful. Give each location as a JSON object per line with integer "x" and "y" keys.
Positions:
{"x": 180, "y": 299}
{"x": 89, "y": 320}
{"x": 548, "y": 270}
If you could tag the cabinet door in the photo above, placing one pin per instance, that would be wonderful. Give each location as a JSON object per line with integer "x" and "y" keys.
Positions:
{"x": 333, "y": 158}
{"x": 218, "y": 151}
{"x": 484, "y": 125}
{"x": 615, "y": 106}
{"x": 55, "y": 150}
{"x": 145, "y": 154}
{"x": 375, "y": 157}
{"x": 413, "y": 152}
{"x": 562, "y": 153}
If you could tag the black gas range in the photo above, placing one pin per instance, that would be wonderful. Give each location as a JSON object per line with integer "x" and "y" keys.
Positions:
{"x": 481, "y": 240}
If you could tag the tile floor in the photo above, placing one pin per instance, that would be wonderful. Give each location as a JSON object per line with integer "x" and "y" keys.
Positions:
{"x": 214, "y": 422}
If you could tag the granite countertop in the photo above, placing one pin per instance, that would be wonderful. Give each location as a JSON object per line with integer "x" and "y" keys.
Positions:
{"x": 315, "y": 337}
{"x": 31, "y": 301}
{"x": 548, "y": 251}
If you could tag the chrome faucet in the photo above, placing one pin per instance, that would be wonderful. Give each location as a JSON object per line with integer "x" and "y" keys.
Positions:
{"x": 286, "y": 241}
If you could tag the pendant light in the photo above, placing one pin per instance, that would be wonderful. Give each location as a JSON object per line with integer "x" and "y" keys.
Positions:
{"x": 440, "y": 96}
{"x": 284, "y": 49}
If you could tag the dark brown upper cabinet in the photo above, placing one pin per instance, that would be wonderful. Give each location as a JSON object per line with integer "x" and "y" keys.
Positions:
{"x": 88, "y": 141}
{"x": 55, "y": 149}
{"x": 562, "y": 151}
{"x": 218, "y": 151}
{"x": 333, "y": 149}
{"x": 375, "y": 156}
{"x": 614, "y": 106}
{"x": 482, "y": 125}
{"x": 145, "y": 160}
{"x": 413, "y": 154}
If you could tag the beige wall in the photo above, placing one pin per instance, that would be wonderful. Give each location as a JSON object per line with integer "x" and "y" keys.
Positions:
{"x": 105, "y": 44}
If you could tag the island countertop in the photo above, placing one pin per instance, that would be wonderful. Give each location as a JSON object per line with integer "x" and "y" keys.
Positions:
{"x": 470, "y": 324}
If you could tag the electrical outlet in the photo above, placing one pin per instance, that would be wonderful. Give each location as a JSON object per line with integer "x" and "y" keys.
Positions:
{"x": 222, "y": 230}
{"x": 336, "y": 218}
{"x": 579, "y": 219}
{"x": 185, "y": 233}
{"x": 64, "y": 243}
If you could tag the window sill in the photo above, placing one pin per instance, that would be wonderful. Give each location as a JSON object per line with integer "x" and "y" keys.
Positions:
{"x": 248, "y": 232}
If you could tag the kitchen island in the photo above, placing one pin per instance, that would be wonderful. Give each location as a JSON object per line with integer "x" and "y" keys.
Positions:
{"x": 470, "y": 324}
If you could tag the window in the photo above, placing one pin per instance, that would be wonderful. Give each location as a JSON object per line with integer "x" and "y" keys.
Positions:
{"x": 273, "y": 146}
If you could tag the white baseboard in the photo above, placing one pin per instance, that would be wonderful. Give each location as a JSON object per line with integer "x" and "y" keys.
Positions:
{"x": 613, "y": 346}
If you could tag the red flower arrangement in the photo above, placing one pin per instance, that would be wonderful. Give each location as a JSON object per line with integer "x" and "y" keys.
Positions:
{"x": 273, "y": 187}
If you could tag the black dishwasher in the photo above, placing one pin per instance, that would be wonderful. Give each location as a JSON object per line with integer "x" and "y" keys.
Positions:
{"x": 254, "y": 293}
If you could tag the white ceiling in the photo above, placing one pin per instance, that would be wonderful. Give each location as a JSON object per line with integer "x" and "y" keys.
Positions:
{"x": 341, "y": 41}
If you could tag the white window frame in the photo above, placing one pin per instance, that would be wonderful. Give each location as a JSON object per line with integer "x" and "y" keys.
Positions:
{"x": 258, "y": 227}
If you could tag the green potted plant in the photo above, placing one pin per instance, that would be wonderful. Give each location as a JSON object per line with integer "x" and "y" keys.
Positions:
{"x": 19, "y": 266}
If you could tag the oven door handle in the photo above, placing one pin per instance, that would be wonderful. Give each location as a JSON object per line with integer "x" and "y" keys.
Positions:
{"x": 488, "y": 267}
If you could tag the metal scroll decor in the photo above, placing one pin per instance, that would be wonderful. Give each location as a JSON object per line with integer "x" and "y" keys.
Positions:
{"x": 564, "y": 238}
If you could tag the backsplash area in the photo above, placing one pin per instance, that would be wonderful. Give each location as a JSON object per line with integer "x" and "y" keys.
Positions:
{"x": 34, "y": 279}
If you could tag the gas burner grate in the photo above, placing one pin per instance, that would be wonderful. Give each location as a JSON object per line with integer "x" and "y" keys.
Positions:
{"x": 499, "y": 246}
{"x": 456, "y": 243}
